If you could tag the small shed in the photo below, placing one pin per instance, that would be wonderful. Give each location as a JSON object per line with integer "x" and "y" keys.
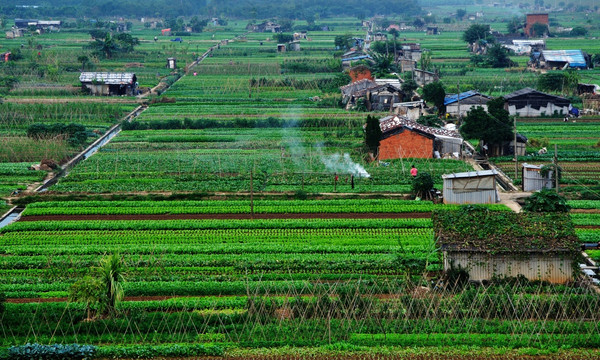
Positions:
{"x": 281, "y": 48}
{"x": 485, "y": 244}
{"x": 528, "y": 102}
{"x": 106, "y": 83}
{"x": 14, "y": 33}
{"x": 533, "y": 180}
{"x": 562, "y": 59}
{"x": 166, "y": 32}
{"x": 466, "y": 101}
{"x": 171, "y": 63}
{"x": 294, "y": 46}
{"x": 473, "y": 187}
{"x": 432, "y": 30}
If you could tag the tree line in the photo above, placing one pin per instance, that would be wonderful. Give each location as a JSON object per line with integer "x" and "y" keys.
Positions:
{"x": 294, "y": 9}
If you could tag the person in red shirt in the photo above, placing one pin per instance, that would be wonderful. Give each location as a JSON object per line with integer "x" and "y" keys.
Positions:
{"x": 413, "y": 171}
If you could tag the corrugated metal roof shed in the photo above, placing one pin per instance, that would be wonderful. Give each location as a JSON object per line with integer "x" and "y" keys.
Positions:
{"x": 575, "y": 58}
{"x": 452, "y": 98}
{"x": 108, "y": 78}
{"x": 357, "y": 58}
{"x": 470, "y": 174}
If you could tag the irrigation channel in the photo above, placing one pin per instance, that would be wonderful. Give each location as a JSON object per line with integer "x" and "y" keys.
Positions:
{"x": 14, "y": 214}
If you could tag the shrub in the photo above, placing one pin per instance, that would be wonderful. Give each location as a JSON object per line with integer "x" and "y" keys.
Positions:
{"x": 546, "y": 201}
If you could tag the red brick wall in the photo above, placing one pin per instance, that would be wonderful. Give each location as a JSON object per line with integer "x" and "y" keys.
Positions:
{"x": 360, "y": 72}
{"x": 535, "y": 18}
{"x": 407, "y": 144}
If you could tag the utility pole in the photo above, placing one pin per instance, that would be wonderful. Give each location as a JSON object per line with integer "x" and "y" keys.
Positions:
{"x": 555, "y": 161}
{"x": 252, "y": 194}
{"x": 458, "y": 101}
{"x": 515, "y": 149}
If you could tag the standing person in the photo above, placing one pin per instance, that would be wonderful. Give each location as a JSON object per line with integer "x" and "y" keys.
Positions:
{"x": 413, "y": 171}
{"x": 352, "y": 181}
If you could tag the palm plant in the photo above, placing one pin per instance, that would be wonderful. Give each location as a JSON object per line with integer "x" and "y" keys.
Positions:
{"x": 110, "y": 275}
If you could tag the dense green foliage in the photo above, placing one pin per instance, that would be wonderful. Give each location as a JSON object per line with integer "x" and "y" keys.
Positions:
{"x": 480, "y": 228}
{"x": 546, "y": 200}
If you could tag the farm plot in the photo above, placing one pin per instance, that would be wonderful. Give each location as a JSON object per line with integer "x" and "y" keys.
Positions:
{"x": 268, "y": 284}
{"x": 577, "y": 152}
{"x": 280, "y": 159}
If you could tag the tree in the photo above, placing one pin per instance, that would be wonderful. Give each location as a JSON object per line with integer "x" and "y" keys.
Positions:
{"x": 434, "y": 92}
{"x": 430, "y": 120}
{"x": 197, "y": 25}
{"x": 409, "y": 86}
{"x": 343, "y": 42}
{"x": 110, "y": 275}
{"x": 579, "y": 31}
{"x": 372, "y": 134}
{"x": 422, "y": 185}
{"x": 283, "y": 38}
{"x": 88, "y": 291}
{"x": 539, "y": 29}
{"x": 106, "y": 47}
{"x": 514, "y": 25}
{"x": 103, "y": 288}
{"x": 478, "y": 124}
{"x": 394, "y": 32}
{"x": 546, "y": 200}
{"x": 477, "y": 32}
{"x": 83, "y": 59}
{"x": 552, "y": 81}
{"x": 460, "y": 13}
{"x": 126, "y": 42}
{"x": 497, "y": 57}
{"x": 382, "y": 64}
{"x": 425, "y": 61}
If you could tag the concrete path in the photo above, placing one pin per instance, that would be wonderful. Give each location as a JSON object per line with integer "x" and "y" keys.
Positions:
{"x": 510, "y": 199}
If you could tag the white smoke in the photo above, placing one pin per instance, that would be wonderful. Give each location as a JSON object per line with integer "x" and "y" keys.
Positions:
{"x": 343, "y": 164}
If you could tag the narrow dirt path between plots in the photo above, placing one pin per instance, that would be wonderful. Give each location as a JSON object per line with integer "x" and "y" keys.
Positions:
{"x": 415, "y": 215}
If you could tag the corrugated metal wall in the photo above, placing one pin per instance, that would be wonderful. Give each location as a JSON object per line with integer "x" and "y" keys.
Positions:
{"x": 533, "y": 180}
{"x": 471, "y": 197}
{"x": 483, "y": 266}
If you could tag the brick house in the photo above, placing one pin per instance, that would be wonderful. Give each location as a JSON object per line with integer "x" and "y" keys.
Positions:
{"x": 533, "y": 19}
{"x": 404, "y": 138}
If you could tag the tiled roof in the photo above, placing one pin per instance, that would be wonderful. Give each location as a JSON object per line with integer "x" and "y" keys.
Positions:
{"x": 390, "y": 123}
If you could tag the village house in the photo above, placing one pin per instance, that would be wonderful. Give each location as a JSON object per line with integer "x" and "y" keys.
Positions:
{"x": 14, "y": 33}
{"x": 560, "y": 59}
{"x": 376, "y": 96}
{"x": 404, "y": 138}
{"x": 105, "y": 83}
{"x": 424, "y": 77}
{"x": 411, "y": 110}
{"x": 528, "y": 102}
{"x": 465, "y": 101}
{"x": 39, "y": 25}
{"x": 533, "y": 19}
{"x": 489, "y": 247}
{"x": 525, "y": 47}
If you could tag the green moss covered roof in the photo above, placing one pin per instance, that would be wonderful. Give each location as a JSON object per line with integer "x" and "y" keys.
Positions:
{"x": 479, "y": 229}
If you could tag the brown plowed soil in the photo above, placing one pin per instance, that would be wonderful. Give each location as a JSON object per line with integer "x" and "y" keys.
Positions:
{"x": 231, "y": 216}
{"x": 586, "y": 211}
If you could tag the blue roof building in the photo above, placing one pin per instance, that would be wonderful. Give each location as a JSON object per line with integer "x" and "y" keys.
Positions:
{"x": 561, "y": 59}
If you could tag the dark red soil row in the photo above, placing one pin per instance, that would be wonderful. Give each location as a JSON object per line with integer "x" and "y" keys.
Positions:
{"x": 231, "y": 216}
